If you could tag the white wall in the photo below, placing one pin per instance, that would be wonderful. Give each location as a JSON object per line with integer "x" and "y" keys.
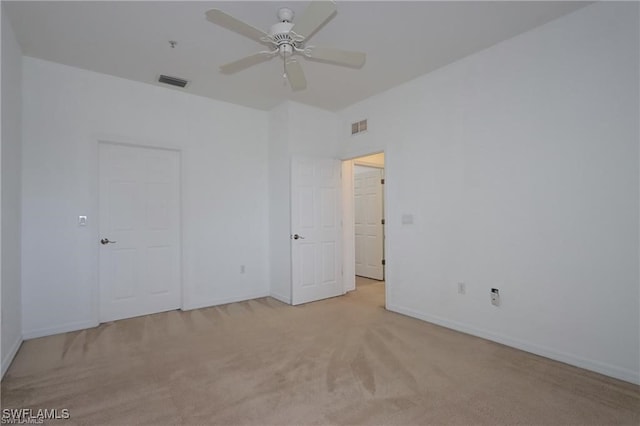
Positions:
{"x": 224, "y": 189}
{"x": 294, "y": 129}
{"x": 279, "y": 205}
{"x": 519, "y": 165}
{"x": 10, "y": 241}
{"x": 313, "y": 131}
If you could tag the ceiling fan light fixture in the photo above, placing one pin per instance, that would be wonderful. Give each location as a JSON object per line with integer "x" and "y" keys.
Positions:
{"x": 285, "y": 50}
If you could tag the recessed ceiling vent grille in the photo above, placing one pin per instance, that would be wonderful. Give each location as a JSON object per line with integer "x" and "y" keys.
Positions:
{"x": 358, "y": 126}
{"x": 174, "y": 81}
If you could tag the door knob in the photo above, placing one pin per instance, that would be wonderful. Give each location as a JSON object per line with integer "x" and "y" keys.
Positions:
{"x": 298, "y": 237}
{"x": 106, "y": 241}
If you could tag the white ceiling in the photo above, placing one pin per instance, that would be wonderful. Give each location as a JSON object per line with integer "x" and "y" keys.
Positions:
{"x": 402, "y": 40}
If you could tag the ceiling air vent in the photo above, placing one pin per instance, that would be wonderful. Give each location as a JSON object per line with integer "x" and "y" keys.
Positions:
{"x": 359, "y": 126}
{"x": 174, "y": 81}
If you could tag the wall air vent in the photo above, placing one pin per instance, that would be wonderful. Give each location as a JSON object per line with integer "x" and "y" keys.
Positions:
{"x": 359, "y": 126}
{"x": 174, "y": 81}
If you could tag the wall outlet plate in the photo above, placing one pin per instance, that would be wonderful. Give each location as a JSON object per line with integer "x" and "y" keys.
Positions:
{"x": 495, "y": 297}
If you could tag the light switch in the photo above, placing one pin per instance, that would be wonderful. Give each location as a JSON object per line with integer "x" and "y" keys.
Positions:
{"x": 82, "y": 221}
{"x": 407, "y": 219}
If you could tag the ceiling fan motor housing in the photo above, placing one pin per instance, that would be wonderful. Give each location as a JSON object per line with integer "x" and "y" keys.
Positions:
{"x": 282, "y": 37}
{"x": 285, "y": 14}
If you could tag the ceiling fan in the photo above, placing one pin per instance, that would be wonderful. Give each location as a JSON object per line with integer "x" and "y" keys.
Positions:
{"x": 286, "y": 39}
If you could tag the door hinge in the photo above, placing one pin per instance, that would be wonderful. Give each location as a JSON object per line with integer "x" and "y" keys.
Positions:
{"x": 382, "y": 181}
{"x": 383, "y": 262}
{"x": 382, "y": 221}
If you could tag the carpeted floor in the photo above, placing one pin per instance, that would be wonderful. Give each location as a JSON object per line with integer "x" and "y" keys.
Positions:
{"x": 339, "y": 361}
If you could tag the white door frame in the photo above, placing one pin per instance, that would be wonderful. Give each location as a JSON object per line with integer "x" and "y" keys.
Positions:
{"x": 95, "y": 220}
{"x": 348, "y": 223}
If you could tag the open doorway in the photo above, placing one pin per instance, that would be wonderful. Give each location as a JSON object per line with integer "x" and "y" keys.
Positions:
{"x": 367, "y": 233}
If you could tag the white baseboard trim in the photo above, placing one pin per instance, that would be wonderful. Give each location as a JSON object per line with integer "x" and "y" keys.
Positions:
{"x": 7, "y": 360}
{"x": 592, "y": 365}
{"x": 63, "y": 328}
{"x": 215, "y": 302}
{"x": 281, "y": 298}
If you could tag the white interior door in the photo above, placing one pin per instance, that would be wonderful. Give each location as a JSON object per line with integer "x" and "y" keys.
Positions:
{"x": 316, "y": 231}
{"x": 369, "y": 213}
{"x": 139, "y": 196}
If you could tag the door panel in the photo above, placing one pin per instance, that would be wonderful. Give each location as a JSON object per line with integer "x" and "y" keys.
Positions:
{"x": 139, "y": 196}
{"x": 159, "y": 269}
{"x": 124, "y": 273}
{"x": 315, "y": 208}
{"x": 368, "y": 224}
{"x": 328, "y": 262}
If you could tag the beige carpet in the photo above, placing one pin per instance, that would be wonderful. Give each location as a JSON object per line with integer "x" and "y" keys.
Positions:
{"x": 339, "y": 361}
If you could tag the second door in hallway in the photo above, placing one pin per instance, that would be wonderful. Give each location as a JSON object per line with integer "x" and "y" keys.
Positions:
{"x": 369, "y": 228}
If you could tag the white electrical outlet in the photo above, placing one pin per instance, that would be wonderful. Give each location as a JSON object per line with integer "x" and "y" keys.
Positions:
{"x": 495, "y": 297}
{"x": 462, "y": 288}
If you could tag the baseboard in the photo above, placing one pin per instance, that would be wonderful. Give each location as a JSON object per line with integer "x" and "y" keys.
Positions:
{"x": 596, "y": 366}
{"x": 215, "y": 302}
{"x": 63, "y": 328}
{"x": 6, "y": 362}
{"x": 281, "y": 298}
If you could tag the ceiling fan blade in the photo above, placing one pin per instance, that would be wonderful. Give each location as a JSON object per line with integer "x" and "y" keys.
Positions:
{"x": 337, "y": 56}
{"x": 296, "y": 75}
{"x": 243, "y": 63}
{"x": 313, "y": 17}
{"x": 229, "y": 22}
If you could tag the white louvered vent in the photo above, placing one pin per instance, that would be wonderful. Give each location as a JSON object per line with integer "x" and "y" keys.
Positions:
{"x": 359, "y": 126}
